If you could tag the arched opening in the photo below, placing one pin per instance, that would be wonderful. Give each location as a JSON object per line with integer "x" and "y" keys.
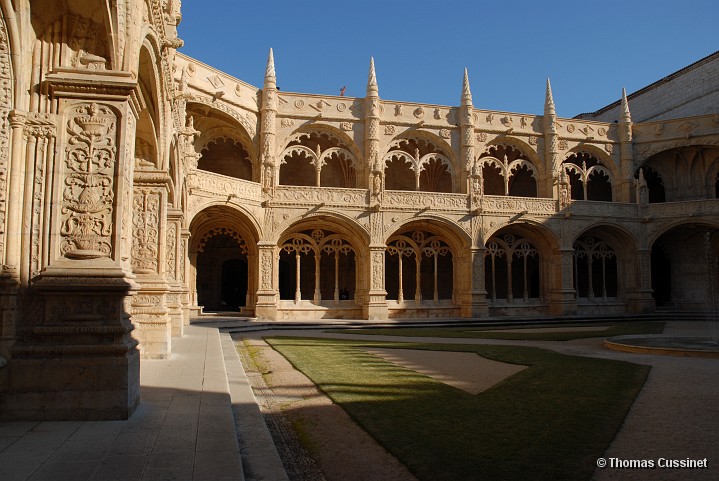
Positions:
{"x": 317, "y": 158}
{"x": 685, "y": 267}
{"x": 512, "y": 269}
{"x": 507, "y": 170}
{"x": 417, "y": 164}
{"x": 222, "y": 270}
{"x": 653, "y": 183}
{"x": 596, "y": 274}
{"x": 227, "y": 157}
{"x": 418, "y": 267}
{"x": 588, "y": 178}
{"x": 689, "y": 172}
{"x": 317, "y": 265}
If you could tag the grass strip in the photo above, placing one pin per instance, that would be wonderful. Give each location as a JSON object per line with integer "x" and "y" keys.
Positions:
{"x": 481, "y": 332}
{"x": 550, "y": 421}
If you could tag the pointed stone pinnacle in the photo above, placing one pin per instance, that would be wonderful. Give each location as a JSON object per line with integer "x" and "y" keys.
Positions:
{"x": 466, "y": 92}
{"x": 372, "y": 88}
{"x": 626, "y": 116}
{"x": 270, "y": 71}
{"x": 549, "y": 101}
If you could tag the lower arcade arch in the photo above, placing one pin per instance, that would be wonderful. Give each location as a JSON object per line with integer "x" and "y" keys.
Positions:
{"x": 223, "y": 261}
{"x": 511, "y": 268}
{"x": 603, "y": 265}
{"x": 685, "y": 267}
{"x": 420, "y": 269}
{"x": 318, "y": 265}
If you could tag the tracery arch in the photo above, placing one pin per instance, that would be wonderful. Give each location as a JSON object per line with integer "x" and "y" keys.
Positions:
{"x": 224, "y": 144}
{"x": 222, "y": 253}
{"x": 689, "y": 172}
{"x": 505, "y": 277}
{"x": 226, "y": 156}
{"x": 333, "y": 257}
{"x": 430, "y": 275}
{"x": 507, "y": 170}
{"x": 652, "y": 180}
{"x": 418, "y": 164}
{"x": 318, "y": 158}
{"x": 595, "y": 269}
{"x": 589, "y": 178}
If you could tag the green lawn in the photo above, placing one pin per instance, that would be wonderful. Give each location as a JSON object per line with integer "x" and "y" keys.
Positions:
{"x": 550, "y": 421}
{"x": 482, "y": 332}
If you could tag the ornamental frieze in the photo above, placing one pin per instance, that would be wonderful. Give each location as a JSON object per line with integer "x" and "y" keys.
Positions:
{"x": 512, "y": 204}
{"x": 397, "y": 198}
{"x": 313, "y": 195}
{"x": 211, "y": 183}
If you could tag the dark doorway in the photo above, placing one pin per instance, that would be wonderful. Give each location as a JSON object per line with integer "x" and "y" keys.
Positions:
{"x": 661, "y": 277}
{"x": 233, "y": 285}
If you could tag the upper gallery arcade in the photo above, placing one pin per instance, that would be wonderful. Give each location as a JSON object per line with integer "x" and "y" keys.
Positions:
{"x": 139, "y": 187}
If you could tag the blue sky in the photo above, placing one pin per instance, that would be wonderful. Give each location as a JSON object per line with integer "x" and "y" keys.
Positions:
{"x": 589, "y": 50}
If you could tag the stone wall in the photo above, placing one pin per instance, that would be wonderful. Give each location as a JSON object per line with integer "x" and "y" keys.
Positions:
{"x": 694, "y": 90}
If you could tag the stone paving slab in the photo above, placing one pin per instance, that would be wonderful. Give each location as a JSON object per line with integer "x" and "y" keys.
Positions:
{"x": 183, "y": 429}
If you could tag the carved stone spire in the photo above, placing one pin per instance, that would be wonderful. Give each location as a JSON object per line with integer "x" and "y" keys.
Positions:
{"x": 268, "y": 115}
{"x": 372, "y": 89}
{"x": 466, "y": 126}
{"x": 466, "y": 92}
{"x": 270, "y": 78}
{"x": 374, "y": 168}
{"x": 626, "y": 152}
{"x": 549, "y": 102}
{"x": 626, "y": 117}
{"x": 551, "y": 137}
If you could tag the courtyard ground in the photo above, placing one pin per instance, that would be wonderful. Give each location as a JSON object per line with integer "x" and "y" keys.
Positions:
{"x": 675, "y": 416}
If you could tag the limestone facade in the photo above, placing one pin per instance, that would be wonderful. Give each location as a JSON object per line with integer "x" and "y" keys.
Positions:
{"x": 139, "y": 186}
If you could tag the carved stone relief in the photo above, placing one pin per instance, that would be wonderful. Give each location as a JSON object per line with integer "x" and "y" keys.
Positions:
{"x": 88, "y": 187}
{"x": 145, "y": 230}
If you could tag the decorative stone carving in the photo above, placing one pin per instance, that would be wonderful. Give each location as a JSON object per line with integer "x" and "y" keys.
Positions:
{"x": 88, "y": 194}
{"x": 346, "y": 126}
{"x": 445, "y": 133}
{"x": 171, "y": 253}
{"x": 389, "y": 130}
{"x": 145, "y": 230}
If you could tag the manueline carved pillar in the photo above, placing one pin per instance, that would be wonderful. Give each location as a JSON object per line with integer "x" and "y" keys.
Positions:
{"x": 267, "y": 295}
{"x": 76, "y": 330}
{"x": 149, "y": 307}
{"x": 562, "y": 291}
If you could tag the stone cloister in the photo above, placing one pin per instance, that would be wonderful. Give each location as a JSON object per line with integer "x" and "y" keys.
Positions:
{"x": 140, "y": 187}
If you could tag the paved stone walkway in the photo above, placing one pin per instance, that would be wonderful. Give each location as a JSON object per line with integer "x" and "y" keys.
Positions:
{"x": 183, "y": 429}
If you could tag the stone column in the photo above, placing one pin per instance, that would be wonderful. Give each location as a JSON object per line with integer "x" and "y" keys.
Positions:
{"x": 184, "y": 276}
{"x": 475, "y": 303}
{"x": 267, "y": 295}
{"x": 375, "y": 306}
{"x": 76, "y": 358}
{"x": 561, "y": 295}
{"x": 172, "y": 270}
{"x": 640, "y": 297}
{"x": 150, "y": 313}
